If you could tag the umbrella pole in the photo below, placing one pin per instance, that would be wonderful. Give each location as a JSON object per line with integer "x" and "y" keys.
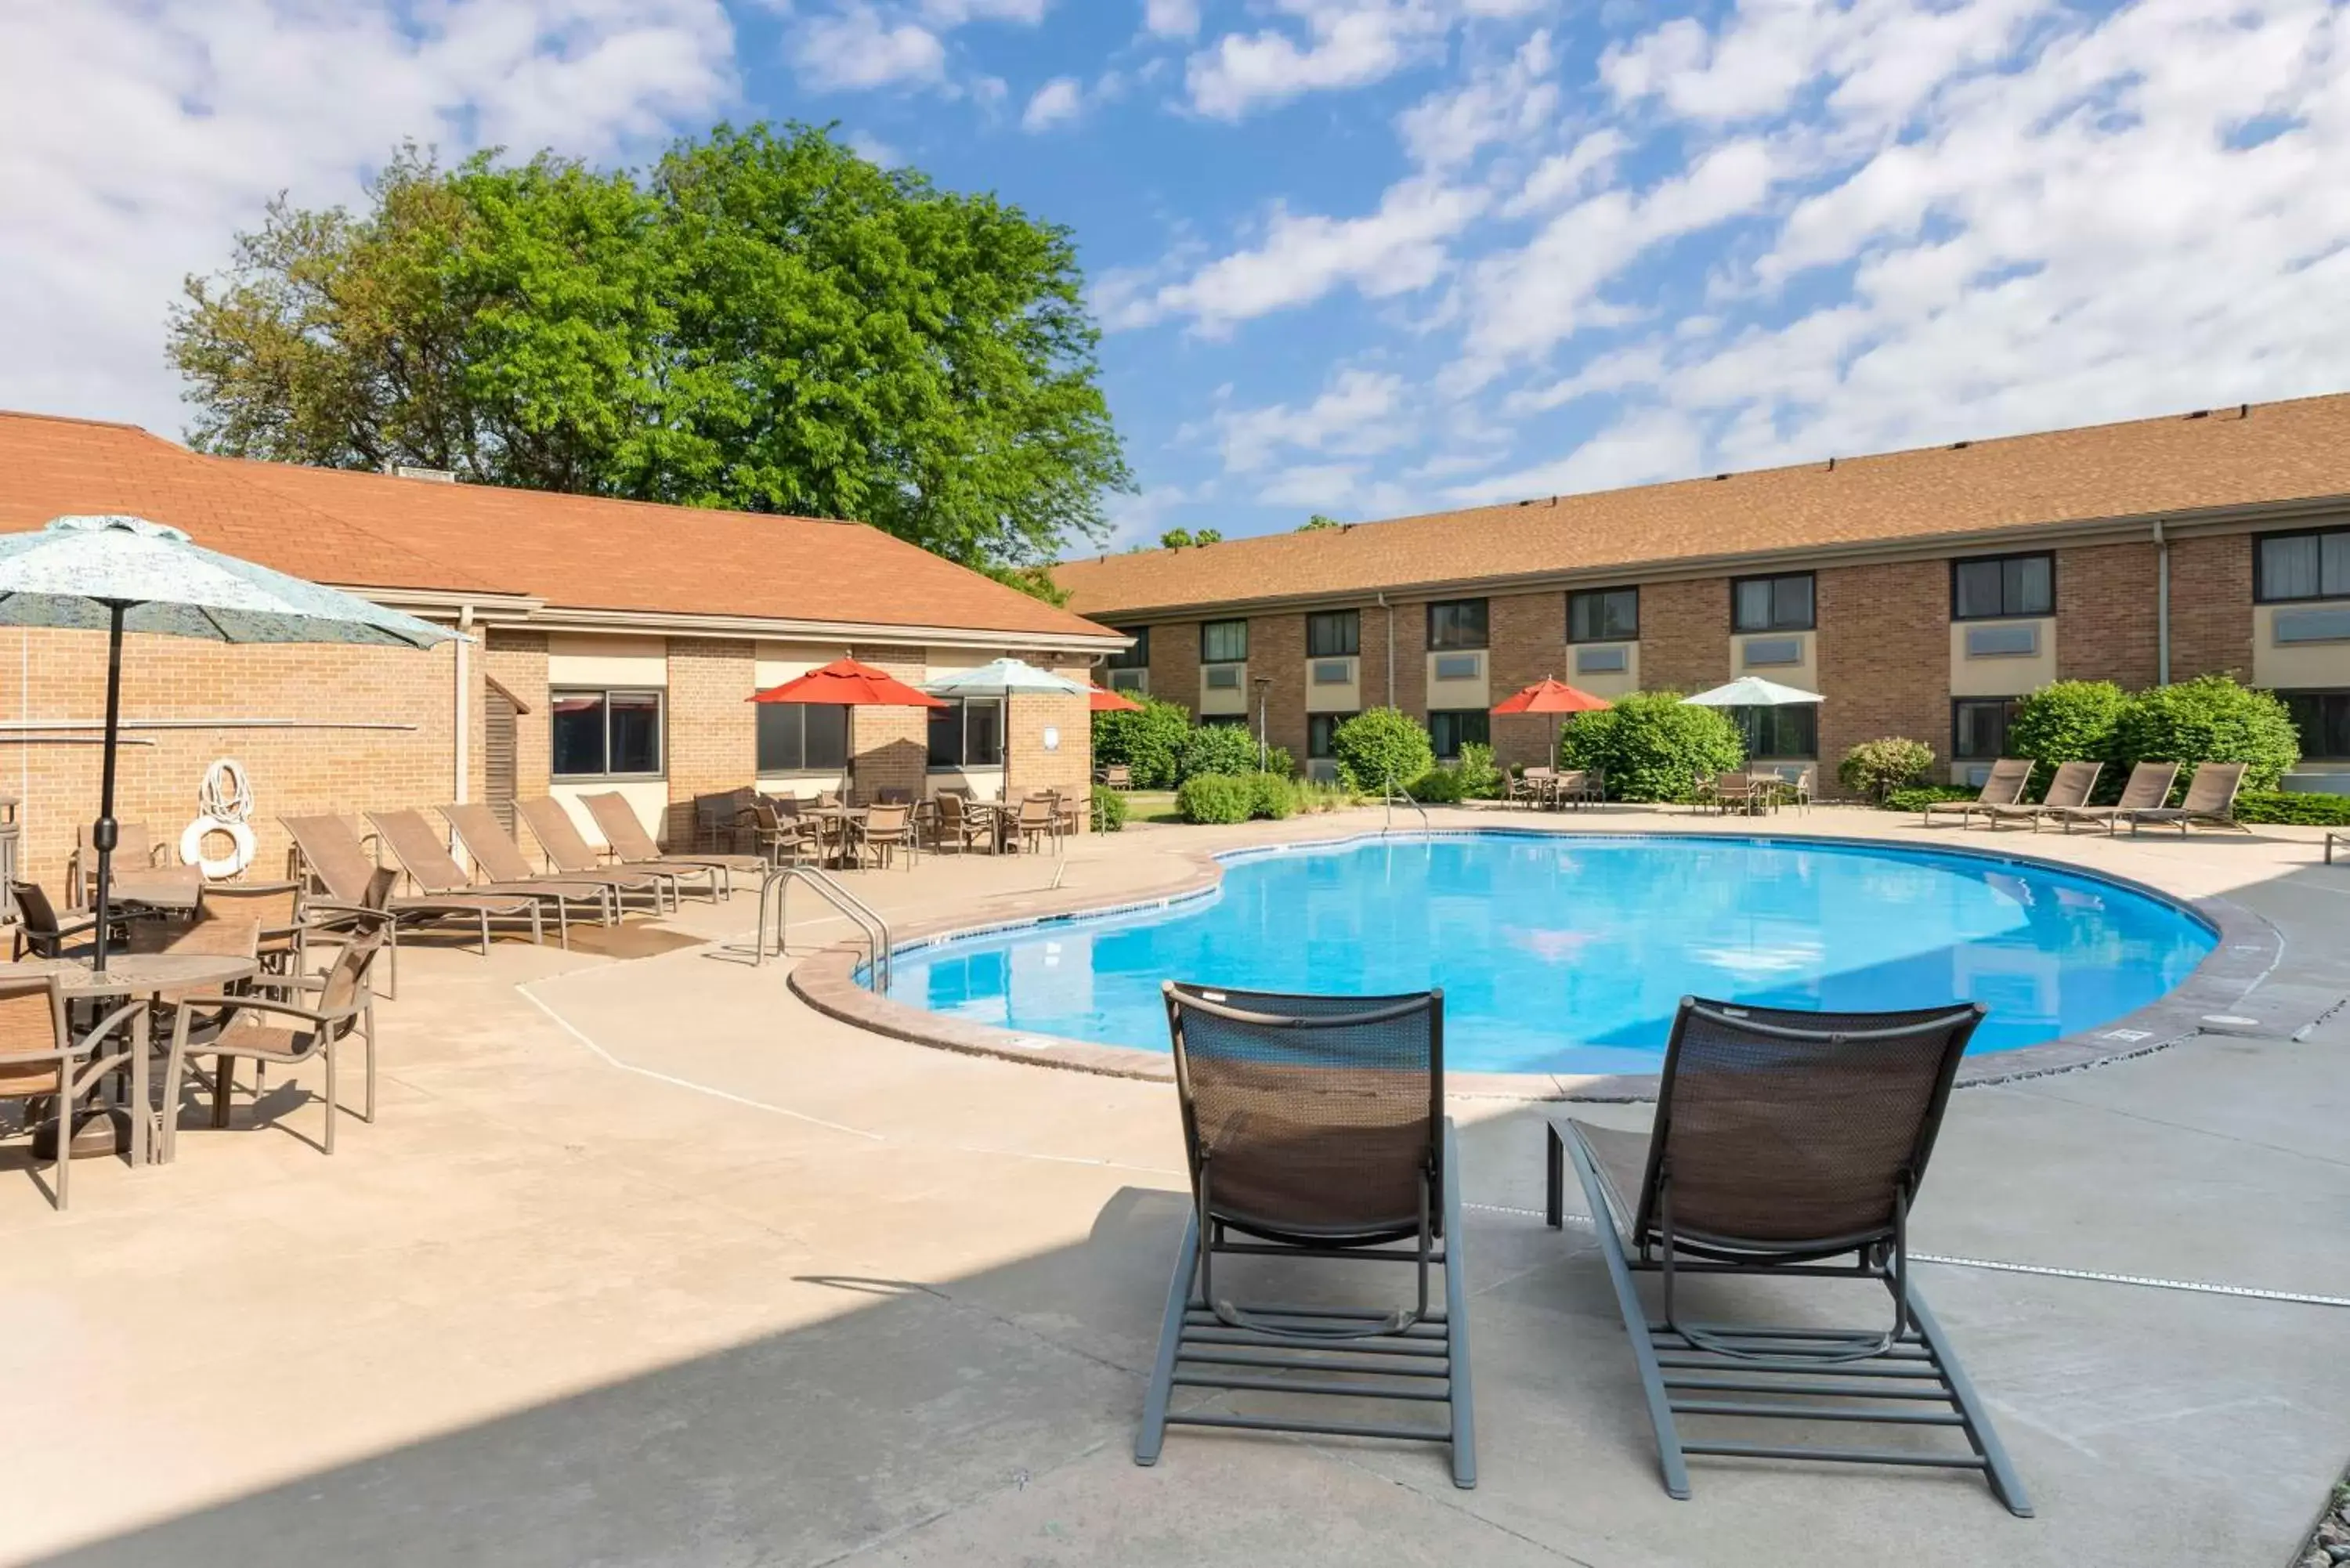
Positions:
{"x": 102, "y": 832}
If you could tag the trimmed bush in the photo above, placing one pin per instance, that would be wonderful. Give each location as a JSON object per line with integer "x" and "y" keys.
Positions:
{"x": 1272, "y": 795}
{"x": 1378, "y": 744}
{"x": 2208, "y": 720}
{"x": 1109, "y": 810}
{"x": 2070, "y": 721}
{"x": 1653, "y": 746}
{"x": 1215, "y": 798}
{"x": 1876, "y": 768}
{"x": 1146, "y": 742}
{"x": 1481, "y": 779}
{"x": 1313, "y": 795}
{"x": 1438, "y": 786}
{"x": 1277, "y": 760}
{"x": 2294, "y": 806}
{"x": 1216, "y": 748}
{"x": 1918, "y": 797}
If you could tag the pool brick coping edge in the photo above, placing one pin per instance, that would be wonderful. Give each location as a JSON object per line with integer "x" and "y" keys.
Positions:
{"x": 2248, "y": 948}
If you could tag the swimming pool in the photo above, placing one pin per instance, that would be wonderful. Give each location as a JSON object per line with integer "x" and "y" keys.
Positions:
{"x": 1568, "y": 953}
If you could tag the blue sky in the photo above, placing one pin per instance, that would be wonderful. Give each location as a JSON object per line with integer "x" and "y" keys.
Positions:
{"x": 1358, "y": 257}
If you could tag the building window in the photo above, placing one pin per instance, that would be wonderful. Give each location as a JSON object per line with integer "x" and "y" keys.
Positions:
{"x": 1604, "y": 614}
{"x": 1454, "y": 728}
{"x": 1991, "y": 586}
{"x": 1224, "y": 642}
{"x": 1791, "y": 731}
{"x": 2323, "y": 719}
{"x": 2287, "y": 567}
{"x": 607, "y": 734}
{"x": 802, "y": 737}
{"x": 1457, "y": 623}
{"x": 1772, "y": 603}
{"x": 1137, "y": 657}
{"x": 968, "y": 733}
{"x": 1320, "y": 730}
{"x": 1334, "y": 634}
{"x": 1979, "y": 727}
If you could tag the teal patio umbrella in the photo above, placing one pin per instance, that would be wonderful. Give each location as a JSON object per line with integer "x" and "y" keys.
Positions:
{"x": 122, "y": 574}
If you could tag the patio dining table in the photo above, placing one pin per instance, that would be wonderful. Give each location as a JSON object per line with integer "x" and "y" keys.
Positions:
{"x": 129, "y": 976}
{"x": 837, "y": 824}
{"x": 175, "y": 889}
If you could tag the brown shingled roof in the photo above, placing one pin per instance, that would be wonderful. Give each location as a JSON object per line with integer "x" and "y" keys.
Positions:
{"x": 2270, "y": 454}
{"x": 368, "y": 531}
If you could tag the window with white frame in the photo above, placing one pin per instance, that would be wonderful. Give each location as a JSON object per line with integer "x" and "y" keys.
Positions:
{"x": 605, "y": 734}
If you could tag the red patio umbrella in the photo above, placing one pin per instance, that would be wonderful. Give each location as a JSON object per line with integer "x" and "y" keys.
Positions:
{"x": 845, "y": 684}
{"x": 1550, "y": 695}
{"x": 1102, "y": 700}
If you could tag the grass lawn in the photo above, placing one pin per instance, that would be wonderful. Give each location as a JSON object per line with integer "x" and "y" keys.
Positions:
{"x": 1151, "y": 805}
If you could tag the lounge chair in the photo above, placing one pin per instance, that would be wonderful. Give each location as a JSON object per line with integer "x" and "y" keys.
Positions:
{"x": 1315, "y": 1128}
{"x": 568, "y": 851}
{"x": 43, "y": 1063}
{"x": 1782, "y": 1142}
{"x": 631, "y": 846}
{"x": 502, "y": 860}
{"x": 358, "y": 891}
{"x": 2003, "y": 785}
{"x": 418, "y": 848}
{"x": 2210, "y": 802}
{"x": 2068, "y": 791}
{"x": 2148, "y": 786}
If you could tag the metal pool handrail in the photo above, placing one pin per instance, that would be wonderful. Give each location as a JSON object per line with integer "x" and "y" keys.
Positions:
{"x": 1393, "y": 792}
{"x": 868, "y": 923}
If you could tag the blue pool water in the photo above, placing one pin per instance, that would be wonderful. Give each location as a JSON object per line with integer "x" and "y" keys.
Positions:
{"x": 1564, "y": 954}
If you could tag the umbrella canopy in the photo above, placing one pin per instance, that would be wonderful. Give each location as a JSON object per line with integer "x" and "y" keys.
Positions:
{"x": 1753, "y": 692}
{"x": 1549, "y": 696}
{"x": 845, "y": 684}
{"x": 124, "y": 574}
{"x": 1102, "y": 700}
{"x": 1006, "y": 678}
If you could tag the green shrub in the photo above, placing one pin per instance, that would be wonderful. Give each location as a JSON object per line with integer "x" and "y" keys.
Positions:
{"x": 1481, "y": 779}
{"x": 1215, "y": 798}
{"x": 1216, "y": 748}
{"x": 1380, "y": 744}
{"x": 1315, "y": 795}
{"x": 1653, "y": 746}
{"x": 1109, "y": 810}
{"x": 1272, "y": 795}
{"x": 1144, "y": 741}
{"x": 1437, "y": 786}
{"x": 2069, "y": 721}
{"x": 2208, "y": 720}
{"x": 1876, "y": 768}
{"x": 1919, "y": 796}
{"x": 2294, "y": 806}
{"x": 1277, "y": 760}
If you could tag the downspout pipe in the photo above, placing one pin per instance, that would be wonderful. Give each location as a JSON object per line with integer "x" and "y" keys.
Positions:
{"x": 2161, "y": 605}
{"x": 463, "y": 705}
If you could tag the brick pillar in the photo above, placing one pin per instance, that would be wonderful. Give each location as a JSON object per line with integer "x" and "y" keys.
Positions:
{"x": 713, "y": 727}
{"x": 2210, "y": 608}
{"x": 1884, "y": 658}
{"x": 1068, "y": 769}
{"x": 890, "y": 747}
{"x": 1411, "y": 659}
{"x": 1529, "y": 643}
{"x": 517, "y": 660}
{"x": 2105, "y": 626}
{"x": 1685, "y": 634}
{"x": 1277, "y": 650}
{"x": 1175, "y": 664}
{"x": 1373, "y": 686}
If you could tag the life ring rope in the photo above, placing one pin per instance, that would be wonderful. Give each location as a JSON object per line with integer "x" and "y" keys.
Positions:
{"x": 223, "y": 801}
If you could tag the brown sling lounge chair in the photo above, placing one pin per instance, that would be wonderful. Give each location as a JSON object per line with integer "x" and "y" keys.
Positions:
{"x": 2005, "y": 786}
{"x": 414, "y": 842}
{"x": 1315, "y": 1129}
{"x": 2149, "y": 786}
{"x": 1783, "y": 1142}
{"x": 632, "y": 845}
{"x": 568, "y": 851}
{"x": 357, "y": 894}
{"x": 502, "y": 859}
{"x": 2210, "y": 802}
{"x": 2068, "y": 789}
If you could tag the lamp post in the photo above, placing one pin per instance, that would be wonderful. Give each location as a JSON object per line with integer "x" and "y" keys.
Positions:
{"x": 1263, "y": 753}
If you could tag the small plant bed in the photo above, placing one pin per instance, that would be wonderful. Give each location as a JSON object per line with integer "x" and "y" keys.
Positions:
{"x": 2329, "y": 1543}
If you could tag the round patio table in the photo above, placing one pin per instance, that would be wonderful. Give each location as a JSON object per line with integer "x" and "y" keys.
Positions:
{"x": 127, "y": 976}
{"x": 177, "y": 889}
{"x": 838, "y": 821}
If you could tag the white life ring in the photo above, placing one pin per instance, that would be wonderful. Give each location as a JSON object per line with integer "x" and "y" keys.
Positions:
{"x": 217, "y": 867}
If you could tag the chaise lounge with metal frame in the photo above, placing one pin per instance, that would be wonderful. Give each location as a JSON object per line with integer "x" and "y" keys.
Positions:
{"x": 2068, "y": 791}
{"x": 2148, "y": 785}
{"x": 502, "y": 860}
{"x": 2003, "y": 785}
{"x": 634, "y": 847}
{"x": 329, "y": 848}
{"x": 1783, "y": 1142}
{"x": 2210, "y": 802}
{"x": 418, "y": 847}
{"x": 1315, "y": 1129}
{"x": 568, "y": 850}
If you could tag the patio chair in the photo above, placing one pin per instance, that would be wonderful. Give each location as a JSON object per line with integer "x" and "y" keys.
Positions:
{"x": 275, "y": 912}
{"x": 885, "y": 830}
{"x": 2068, "y": 791}
{"x": 41, "y": 931}
{"x": 429, "y": 866}
{"x": 2003, "y": 785}
{"x": 1038, "y": 820}
{"x": 1068, "y": 810}
{"x": 1529, "y": 788}
{"x": 2210, "y": 802}
{"x": 1315, "y": 1128}
{"x": 43, "y": 1065}
{"x": 1782, "y": 1142}
{"x": 955, "y": 824}
{"x": 784, "y": 836}
{"x": 568, "y": 850}
{"x": 1569, "y": 786}
{"x": 502, "y": 860}
{"x": 282, "y": 1032}
{"x": 334, "y": 854}
{"x": 1117, "y": 775}
{"x": 1726, "y": 792}
{"x": 632, "y": 846}
{"x": 895, "y": 794}
{"x": 134, "y": 850}
{"x": 724, "y": 822}
{"x": 2331, "y": 840}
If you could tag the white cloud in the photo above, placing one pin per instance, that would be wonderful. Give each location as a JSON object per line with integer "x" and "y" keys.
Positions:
{"x": 955, "y": 13}
{"x": 857, "y": 48}
{"x": 1508, "y": 105}
{"x": 1057, "y": 102}
{"x": 136, "y": 136}
{"x": 1645, "y": 445}
{"x": 1139, "y": 517}
{"x": 1348, "y": 43}
{"x": 1358, "y": 414}
{"x": 1171, "y": 18}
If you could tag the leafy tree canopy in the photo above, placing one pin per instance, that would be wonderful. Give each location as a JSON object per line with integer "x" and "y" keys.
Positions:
{"x": 1180, "y": 538}
{"x": 763, "y": 320}
{"x": 1317, "y": 523}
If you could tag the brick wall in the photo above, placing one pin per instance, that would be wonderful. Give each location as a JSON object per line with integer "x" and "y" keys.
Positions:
{"x": 1411, "y": 660}
{"x": 2106, "y": 621}
{"x": 1528, "y": 634}
{"x": 1175, "y": 664}
{"x": 1884, "y": 658}
{"x": 713, "y": 738}
{"x": 1374, "y": 687}
{"x": 890, "y": 746}
{"x": 2211, "y": 607}
{"x": 518, "y": 660}
{"x": 1277, "y": 652}
{"x": 1685, "y": 634}
{"x": 1070, "y": 768}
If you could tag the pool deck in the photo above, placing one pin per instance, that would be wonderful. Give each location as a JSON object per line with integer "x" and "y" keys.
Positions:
{"x": 648, "y": 1261}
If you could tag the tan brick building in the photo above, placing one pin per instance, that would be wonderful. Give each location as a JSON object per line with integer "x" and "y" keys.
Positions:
{"x": 610, "y": 645}
{"x": 1920, "y": 593}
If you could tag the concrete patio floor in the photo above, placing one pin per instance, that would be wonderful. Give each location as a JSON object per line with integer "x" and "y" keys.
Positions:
{"x": 646, "y": 1262}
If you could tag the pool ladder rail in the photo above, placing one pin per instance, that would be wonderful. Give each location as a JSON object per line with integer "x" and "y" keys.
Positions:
{"x": 1396, "y": 792}
{"x": 870, "y": 925}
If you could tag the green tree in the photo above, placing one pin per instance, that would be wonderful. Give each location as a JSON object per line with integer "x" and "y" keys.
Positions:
{"x": 764, "y": 321}
{"x": 1379, "y": 746}
{"x": 1145, "y": 739}
{"x": 1176, "y": 539}
{"x": 1652, "y": 745}
{"x": 1317, "y": 523}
